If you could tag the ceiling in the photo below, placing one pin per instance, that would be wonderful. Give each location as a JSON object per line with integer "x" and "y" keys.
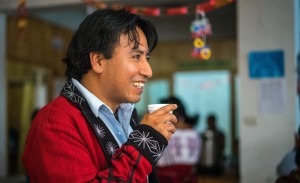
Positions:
{"x": 69, "y": 15}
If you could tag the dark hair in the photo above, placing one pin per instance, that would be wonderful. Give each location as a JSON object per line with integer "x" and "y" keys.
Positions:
{"x": 211, "y": 117}
{"x": 100, "y": 32}
{"x": 180, "y": 111}
{"x": 297, "y": 157}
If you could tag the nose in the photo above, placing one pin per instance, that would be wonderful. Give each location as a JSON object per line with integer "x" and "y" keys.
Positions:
{"x": 146, "y": 69}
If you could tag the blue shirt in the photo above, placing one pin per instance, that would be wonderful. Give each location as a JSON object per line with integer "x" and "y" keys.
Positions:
{"x": 119, "y": 129}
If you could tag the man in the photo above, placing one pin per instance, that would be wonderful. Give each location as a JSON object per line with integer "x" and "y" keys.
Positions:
{"x": 90, "y": 133}
{"x": 212, "y": 149}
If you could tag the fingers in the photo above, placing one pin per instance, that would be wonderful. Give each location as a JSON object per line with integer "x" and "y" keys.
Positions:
{"x": 162, "y": 120}
{"x": 167, "y": 130}
{"x": 159, "y": 119}
{"x": 170, "y": 128}
{"x": 167, "y": 118}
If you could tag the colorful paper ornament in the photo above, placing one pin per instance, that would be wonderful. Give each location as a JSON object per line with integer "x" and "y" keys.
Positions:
{"x": 199, "y": 43}
{"x": 200, "y": 28}
{"x": 22, "y": 14}
{"x": 203, "y": 53}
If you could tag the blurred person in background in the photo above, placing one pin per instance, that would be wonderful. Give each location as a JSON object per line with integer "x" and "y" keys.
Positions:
{"x": 212, "y": 149}
{"x": 178, "y": 162}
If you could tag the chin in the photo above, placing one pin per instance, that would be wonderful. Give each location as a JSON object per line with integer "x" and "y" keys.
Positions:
{"x": 135, "y": 99}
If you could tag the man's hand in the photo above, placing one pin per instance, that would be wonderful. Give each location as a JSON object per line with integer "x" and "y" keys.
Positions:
{"x": 162, "y": 120}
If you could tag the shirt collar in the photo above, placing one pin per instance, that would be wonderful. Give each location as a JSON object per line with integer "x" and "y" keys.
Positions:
{"x": 95, "y": 103}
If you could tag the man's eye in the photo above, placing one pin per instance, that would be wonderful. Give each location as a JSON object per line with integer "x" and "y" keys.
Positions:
{"x": 137, "y": 56}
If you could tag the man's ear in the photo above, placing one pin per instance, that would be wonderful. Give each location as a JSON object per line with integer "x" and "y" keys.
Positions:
{"x": 96, "y": 59}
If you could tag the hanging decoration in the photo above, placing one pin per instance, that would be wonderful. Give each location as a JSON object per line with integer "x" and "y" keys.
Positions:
{"x": 22, "y": 14}
{"x": 181, "y": 10}
{"x": 212, "y": 4}
{"x": 154, "y": 12}
{"x": 163, "y": 11}
{"x": 200, "y": 28}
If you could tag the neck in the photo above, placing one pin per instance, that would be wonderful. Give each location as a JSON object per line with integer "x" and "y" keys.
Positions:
{"x": 91, "y": 81}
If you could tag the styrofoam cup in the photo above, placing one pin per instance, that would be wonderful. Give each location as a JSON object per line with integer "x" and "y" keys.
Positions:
{"x": 154, "y": 107}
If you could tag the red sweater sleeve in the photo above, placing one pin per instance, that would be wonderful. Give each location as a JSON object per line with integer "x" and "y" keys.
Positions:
{"x": 61, "y": 147}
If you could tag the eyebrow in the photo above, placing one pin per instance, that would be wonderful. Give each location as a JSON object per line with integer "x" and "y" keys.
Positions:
{"x": 139, "y": 51}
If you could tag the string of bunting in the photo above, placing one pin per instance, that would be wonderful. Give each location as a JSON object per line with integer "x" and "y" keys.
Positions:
{"x": 22, "y": 11}
{"x": 163, "y": 11}
{"x": 199, "y": 28}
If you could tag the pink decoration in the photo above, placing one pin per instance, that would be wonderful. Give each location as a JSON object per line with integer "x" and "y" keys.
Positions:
{"x": 183, "y": 10}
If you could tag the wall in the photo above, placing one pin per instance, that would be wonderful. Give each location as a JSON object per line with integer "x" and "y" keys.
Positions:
{"x": 264, "y": 138}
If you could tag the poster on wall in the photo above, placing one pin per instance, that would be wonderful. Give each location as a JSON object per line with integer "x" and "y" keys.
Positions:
{"x": 266, "y": 64}
{"x": 267, "y": 67}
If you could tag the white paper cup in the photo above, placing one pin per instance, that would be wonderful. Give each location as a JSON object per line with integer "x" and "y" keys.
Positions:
{"x": 154, "y": 107}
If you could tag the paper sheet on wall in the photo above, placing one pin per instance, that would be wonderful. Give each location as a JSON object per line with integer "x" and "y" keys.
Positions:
{"x": 271, "y": 96}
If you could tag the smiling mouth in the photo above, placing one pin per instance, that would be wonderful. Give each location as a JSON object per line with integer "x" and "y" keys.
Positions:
{"x": 138, "y": 85}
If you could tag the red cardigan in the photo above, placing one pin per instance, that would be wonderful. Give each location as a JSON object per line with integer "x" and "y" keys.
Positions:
{"x": 62, "y": 147}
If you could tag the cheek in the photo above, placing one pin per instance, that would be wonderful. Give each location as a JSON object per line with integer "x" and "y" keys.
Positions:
{"x": 129, "y": 70}
{"x": 124, "y": 70}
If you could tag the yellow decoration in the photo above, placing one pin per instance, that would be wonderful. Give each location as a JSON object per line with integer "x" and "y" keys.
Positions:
{"x": 205, "y": 53}
{"x": 22, "y": 2}
{"x": 198, "y": 43}
{"x": 22, "y": 23}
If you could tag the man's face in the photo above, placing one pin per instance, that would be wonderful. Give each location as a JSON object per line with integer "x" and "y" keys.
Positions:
{"x": 125, "y": 74}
